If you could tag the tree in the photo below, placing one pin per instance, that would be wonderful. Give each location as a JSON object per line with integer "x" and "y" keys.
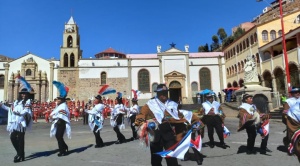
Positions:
{"x": 203, "y": 48}
{"x": 222, "y": 34}
{"x": 239, "y": 32}
{"x": 215, "y": 45}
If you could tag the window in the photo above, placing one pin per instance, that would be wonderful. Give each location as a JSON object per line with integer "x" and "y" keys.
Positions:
{"x": 1, "y": 81}
{"x": 103, "y": 78}
{"x": 143, "y": 80}
{"x": 28, "y": 72}
{"x": 279, "y": 33}
{"x": 273, "y": 35}
{"x": 205, "y": 79}
{"x": 154, "y": 86}
{"x": 66, "y": 59}
{"x": 72, "y": 60}
{"x": 70, "y": 42}
{"x": 265, "y": 35}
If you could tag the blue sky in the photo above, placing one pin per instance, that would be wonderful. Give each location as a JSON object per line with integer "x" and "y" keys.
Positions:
{"x": 128, "y": 26}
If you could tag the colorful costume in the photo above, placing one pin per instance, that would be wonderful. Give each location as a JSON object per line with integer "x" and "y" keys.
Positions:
{"x": 61, "y": 122}
{"x": 96, "y": 121}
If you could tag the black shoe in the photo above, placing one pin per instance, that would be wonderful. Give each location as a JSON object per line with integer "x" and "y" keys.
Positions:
{"x": 19, "y": 159}
{"x": 199, "y": 162}
{"x": 263, "y": 152}
{"x": 249, "y": 152}
{"x": 99, "y": 146}
{"x": 211, "y": 145}
{"x": 120, "y": 142}
{"x": 268, "y": 150}
{"x": 224, "y": 146}
{"x": 60, "y": 154}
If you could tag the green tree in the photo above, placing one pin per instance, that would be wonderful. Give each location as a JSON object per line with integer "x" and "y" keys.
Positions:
{"x": 222, "y": 34}
{"x": 203, "y": 48}
{"x": 238, "y": 33}
{"x": 215, "y": 45}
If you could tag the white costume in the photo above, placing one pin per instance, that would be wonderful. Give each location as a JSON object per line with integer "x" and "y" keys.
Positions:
{"x": 119, "y": 109}
{"x": 294, "y": 110}
{"x": 17, "y": 117}
{"x": 207, "y": 106}
{"x": 96, "y": 117}
{"x": 60, "y": 112}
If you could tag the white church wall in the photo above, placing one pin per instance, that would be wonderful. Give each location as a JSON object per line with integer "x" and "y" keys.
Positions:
{"x": 1, "y": 95}
{"x": 145, "y": 62}
{"x": 174, "y": 63}
{"x": 43, "y": 64}
{"x": 2, "y": 65}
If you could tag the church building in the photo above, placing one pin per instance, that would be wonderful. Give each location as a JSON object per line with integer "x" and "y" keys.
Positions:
{"x": 185, "y": 73}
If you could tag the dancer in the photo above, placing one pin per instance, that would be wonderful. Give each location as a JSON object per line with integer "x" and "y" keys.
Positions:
{"x": 214, "y": 118}
{"x": 117, "y": 119}
{"x": 133, "y": 111}
{"x": 292, "y": 121}
{"x": 96, "y": 120}
{"x": 19, "y": 119}
{"x": 60, "y": 119}
{"x": 160, "y": 115}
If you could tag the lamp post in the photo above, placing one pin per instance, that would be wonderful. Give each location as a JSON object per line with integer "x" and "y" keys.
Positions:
{"x": 286, "y": 61}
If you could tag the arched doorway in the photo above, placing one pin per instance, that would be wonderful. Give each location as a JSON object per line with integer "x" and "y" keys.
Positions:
{"x": 267, "y": 79}
{"x": 294, "y": 75}
{"x": 175, "y": 91}
{"x": 279, "y": 76}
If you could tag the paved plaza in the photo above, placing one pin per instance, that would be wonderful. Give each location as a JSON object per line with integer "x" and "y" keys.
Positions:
{"x": 40, "y": 149}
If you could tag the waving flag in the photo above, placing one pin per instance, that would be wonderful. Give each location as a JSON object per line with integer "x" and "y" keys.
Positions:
{"x": 179, "y": 149}
{"x": 197, "y": 144}
{"x": 105, "y": 90}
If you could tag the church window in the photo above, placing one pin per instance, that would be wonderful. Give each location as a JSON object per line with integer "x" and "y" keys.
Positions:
{"x": 1, "y": 81}
{"x": 194, "y": 86}
{"x": 143, "y": 80}
{"x": 279, "y": 33}
{"x": 72, "y": 60}
{"x": 66, "y": 59}
{"x": 103, "y": 78}
{"x": 28, "y": 72}
{"x": 205, "y": 79}
{"x": 70, "y": 42}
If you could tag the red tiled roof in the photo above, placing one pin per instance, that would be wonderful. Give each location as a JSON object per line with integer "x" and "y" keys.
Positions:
{"x": 110, "y": 50}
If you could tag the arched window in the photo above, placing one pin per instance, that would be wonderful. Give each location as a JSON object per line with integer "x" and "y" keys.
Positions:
{"x": 103, "y": 78}
{"x": 66, "y": 60}
{"x": 70, "y": 42}
{"x": 72, "y": 60}
{"x": 251, "y": 40}
{"x": 154, "y": 86}
{"x": 264, "y": 35}
{"x": 205, "y": 79}
{"x": 279, "y": 33}
{"x": 28, "y": 72}
{"x": 273, "y": 35}
{"x": 2, "y": 81}
{"x": 144, "y": 80}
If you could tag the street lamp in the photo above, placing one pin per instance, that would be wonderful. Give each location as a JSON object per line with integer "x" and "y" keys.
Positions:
{"x": 286, "y": 61}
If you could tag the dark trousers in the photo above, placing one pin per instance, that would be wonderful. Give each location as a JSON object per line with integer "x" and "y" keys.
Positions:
{"x": 251, "y": 132}
{"x": 99, "y": 141}
{"x": 119, "y": 121}
{"x": 214, "y": 122}
{"x": 17, "y": 139}
{"x": 158, "y": 147}
{"x": 60, "y": 130}
{"x": 264, "y": 143}
{"x": 132, "y": 120}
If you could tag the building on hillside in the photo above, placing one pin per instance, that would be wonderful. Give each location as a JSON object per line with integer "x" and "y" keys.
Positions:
{"x": 184, "y": 72}
{"x": 254, "y": 41}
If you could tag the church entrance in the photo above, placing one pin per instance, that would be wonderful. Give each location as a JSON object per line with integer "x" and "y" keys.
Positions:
{"x": 175, "y": 91}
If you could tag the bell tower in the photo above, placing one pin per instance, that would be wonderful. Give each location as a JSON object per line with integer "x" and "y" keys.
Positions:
{"x": 70, "y": 52}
